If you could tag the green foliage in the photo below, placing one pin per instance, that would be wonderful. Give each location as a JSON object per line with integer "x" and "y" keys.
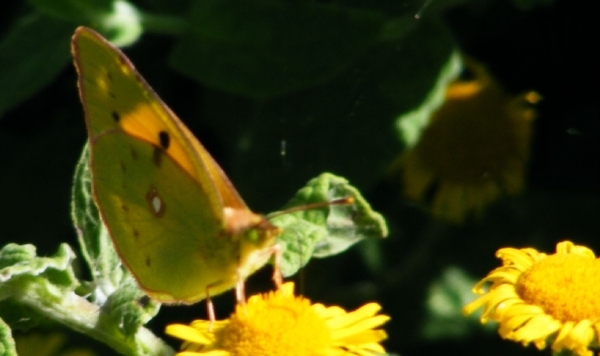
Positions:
{"x": 411, "y": 123}
{"x": 445, "y": 298}
{"x": 45, "y": 288}
{"x": 32, "y": 54}
{"x": 267, "y": 48}
{"x": 328, "y": 230}
{"x": 7, "y": 344}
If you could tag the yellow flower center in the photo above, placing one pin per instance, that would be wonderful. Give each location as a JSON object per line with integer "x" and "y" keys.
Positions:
{"x": 566, "y": 286}
{"x": 284, "y": 326}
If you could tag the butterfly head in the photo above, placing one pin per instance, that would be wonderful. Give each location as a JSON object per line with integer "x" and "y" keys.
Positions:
{"x": 256, "y": 236}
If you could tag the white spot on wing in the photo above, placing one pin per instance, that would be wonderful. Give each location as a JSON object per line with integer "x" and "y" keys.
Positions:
{"x": 155, "y": 202}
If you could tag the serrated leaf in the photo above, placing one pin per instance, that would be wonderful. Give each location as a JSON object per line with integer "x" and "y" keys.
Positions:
{"x": 29, "y": 287}
{"x": 96, "y": 245}
{"x": 264, "y": 48}
{"x": 329, "y": 230}
{"x": 29, "y": 282}
{"x": 18, "y": 261}
{"x": 32, "y": 53}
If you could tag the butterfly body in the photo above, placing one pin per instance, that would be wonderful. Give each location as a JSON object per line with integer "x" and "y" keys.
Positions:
{"x": 175, "y": 219}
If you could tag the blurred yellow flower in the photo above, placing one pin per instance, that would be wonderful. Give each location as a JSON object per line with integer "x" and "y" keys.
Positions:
{"x": 475, "y": 149}
{"x": 279, "y": 323}
{"x": 538, "y": 298}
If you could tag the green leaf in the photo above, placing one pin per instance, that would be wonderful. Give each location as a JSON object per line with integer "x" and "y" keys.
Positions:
{"x": 118, "y": 20}
{"x": 33, "y": 287}
{"x": 73, "y": 10}
{"x": 328, "y": 230}
{"x": 410, "y": 124}
{"x": 29, "y": 283}
{"x": 32, "y": 54}
{"x": 20, "y": 261}
{"x": 129, "y": 307}
{"x": 96, "y": 245}
{"x": 331, "y": 127}
{"x": 264, "y": 48}
{"x": 7, "y": 343}
{"x": 446, "y": 297}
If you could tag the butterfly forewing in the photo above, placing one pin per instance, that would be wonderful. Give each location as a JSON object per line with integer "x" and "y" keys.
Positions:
{"x": 118, "y": 98}
{"x": 165, "y": 201}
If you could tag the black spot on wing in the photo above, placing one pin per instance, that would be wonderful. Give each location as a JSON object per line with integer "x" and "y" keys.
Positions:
{"x": 164, "y": 139}
{"x": 147, "y": 261}
{"x": 115, "y": 115}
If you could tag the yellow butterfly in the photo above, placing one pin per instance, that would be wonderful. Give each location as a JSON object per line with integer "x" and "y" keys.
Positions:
{"x": 175, "y": 219}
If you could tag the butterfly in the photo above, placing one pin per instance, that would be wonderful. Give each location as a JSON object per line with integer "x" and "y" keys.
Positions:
{"x": 175, "y": 219}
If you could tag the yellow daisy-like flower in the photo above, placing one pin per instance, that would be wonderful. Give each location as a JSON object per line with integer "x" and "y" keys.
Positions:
{"x": 475, "y": 149}
{"x": 279, "y": 323}
{"x": 538, "y": 298}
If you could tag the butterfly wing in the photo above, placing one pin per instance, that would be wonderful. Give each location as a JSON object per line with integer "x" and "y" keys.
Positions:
{"x": 159, "y": 192}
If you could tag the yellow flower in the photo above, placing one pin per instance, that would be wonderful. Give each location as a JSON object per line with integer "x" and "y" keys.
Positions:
{"x": 475, "y": 149}
{"x": 538, "y": 298}
{"x": 279, "y": 323}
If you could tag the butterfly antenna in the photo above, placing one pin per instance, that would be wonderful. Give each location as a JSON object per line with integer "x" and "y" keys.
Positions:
{"x": 276, "y": 250}
{"x": 341, "y": 201}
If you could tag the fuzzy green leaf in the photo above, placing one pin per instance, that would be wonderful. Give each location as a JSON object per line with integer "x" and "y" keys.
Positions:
{"x": 44, "y": 288}
{"x": 328, "y": 230}
{"x": 96, "y": 245}
{"x": 7, "y": 343}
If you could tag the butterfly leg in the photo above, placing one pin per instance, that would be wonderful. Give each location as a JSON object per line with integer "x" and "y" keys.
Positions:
{"x": 210, "y": 308}
{"x": 277, "y": 276}
{"x": 240, "y": 290}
